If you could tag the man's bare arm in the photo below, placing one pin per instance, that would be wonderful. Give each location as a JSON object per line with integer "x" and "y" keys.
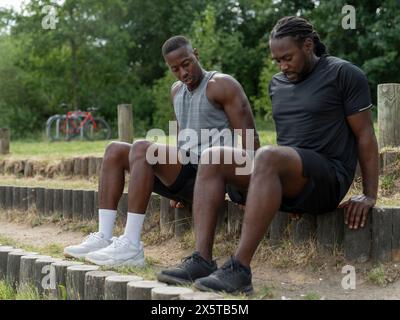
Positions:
{"x": 356, "y": 208}
{"x": 227, "y": 92}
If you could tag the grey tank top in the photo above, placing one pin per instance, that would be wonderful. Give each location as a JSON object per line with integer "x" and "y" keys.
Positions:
{"x": 201, "y": 124}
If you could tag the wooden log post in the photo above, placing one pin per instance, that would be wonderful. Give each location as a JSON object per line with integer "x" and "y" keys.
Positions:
{"x": 59, "y": 269}
{"x": 84, "y": 167}
{"x": 77, "y": 205}
{"x": 168, "y": 293}
{"x": 382, "y": 225}
{"x": 4, "y": 140}
{"x": 2, "y": 197}
{"x": 31, "y": 198}
{"x": 67, "y": 204}
{"x": 28, "y": 169}
{"x": 116, "y": 286}
{"x": 152, "y": 217}
{"x": 27, "y": 269}
{"x": 24, "y": 199}
{"x": 67, "y": 167}
{"x": 95, "y": 284}
{"x": 44, "y": 277}
{"x": 167, "y": 217}
{"x": 330, "y": 230}
{"x": 2, "y": 166}
{"x": 39, "y": 197}
{"x": 235, "y": 218}
{"x": 396, "y": 234}
{"x": 99, "y": 165}
{"x": 141, "y": 290}
{"x": 389, "y": 115}
{"x": 92, "y": 167}
{"x": 125, "y": 123}
{"x": 96, "y": 206}
{"x": 122, "y": 208}
{"x": 58, "y": 201}
{"x": 222, "y": 221}
{"x": 75, "y": 281}
{"x": 16, "y": 198}
{"x": 88, "y": 204}
{"x": 278, "y": 228}
{"x": 303, "y": 229}
{"x": 183, "y": 220}
{"x": 77, "y": 167}
{"x": 9, "y": 197}
{"x": 357, "y": 242}
{"x": 48, "y": 202}
{"x": 13, "y": 266}
{"x": 4, "y": 251}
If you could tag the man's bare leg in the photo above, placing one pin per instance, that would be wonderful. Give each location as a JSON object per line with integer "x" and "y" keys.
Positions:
{"x": 112, "y": 178}
{"x": 142, "y": 174}
{"x": 278, "y": 171}
{"x": 209, "y": 194}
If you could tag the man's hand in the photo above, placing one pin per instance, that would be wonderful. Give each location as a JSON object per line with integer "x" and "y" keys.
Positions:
{"x": 176, "y": 204}
{"x": 356, "y": 210}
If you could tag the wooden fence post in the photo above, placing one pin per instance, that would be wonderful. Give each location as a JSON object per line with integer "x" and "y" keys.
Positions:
{"x": 125, "y": 123}
{"x": 388, "y": 122}
{"x": 4, "y": 140}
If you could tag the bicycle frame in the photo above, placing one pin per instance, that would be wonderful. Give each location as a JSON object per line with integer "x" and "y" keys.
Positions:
{"x": 87, "y": 116}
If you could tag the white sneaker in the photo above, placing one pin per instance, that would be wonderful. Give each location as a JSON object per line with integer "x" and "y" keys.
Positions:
{"x": 93, "y": 242}
{"x": 121, "y": 252}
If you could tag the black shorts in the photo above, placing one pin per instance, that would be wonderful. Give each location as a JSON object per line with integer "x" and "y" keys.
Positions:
{"x": 321, "y": 194}
{"x": 182, "y": 189}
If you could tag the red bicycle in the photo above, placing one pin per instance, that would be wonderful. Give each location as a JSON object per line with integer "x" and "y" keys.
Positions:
{"x": 77, "y": 124}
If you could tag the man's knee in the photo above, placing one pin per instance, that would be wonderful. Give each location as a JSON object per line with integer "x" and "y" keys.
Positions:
{"x": 269, "y": 158}
{"x": 116, "y": 152}
{"x": 138, "y": 150}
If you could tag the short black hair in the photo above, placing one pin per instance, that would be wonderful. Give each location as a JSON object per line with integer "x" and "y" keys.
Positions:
{"x": 174, "y": 43}
{"x": 299, "y": 29}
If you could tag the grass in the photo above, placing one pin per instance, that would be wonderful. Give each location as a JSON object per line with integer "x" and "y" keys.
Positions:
{"x": 312, "y": 296}
{"x": 25, "y": 292}
{"x": 50, "y": 151}
{"x": 377, "y": 276}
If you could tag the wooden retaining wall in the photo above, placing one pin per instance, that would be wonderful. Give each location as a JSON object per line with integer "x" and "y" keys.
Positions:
{"x": 378, "y": 241}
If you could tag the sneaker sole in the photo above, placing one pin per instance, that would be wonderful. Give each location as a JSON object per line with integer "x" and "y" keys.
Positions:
{"x": 246, "y": 290}
{"x": 75, "y": 256}
{"x": 172, "y": 280}
{"x": 112, "y": 263}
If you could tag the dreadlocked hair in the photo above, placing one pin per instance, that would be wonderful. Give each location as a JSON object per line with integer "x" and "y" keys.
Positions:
{"x": 299, "y": 29}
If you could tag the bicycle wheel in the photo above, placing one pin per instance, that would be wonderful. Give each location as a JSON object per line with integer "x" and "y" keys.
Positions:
{"x": 69, "y": 128}
{"x": 98, "y": 130}
{"x": 53, "y": 127}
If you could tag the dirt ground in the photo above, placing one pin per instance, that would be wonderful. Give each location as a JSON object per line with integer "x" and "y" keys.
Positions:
{"x": 269, "y": 282}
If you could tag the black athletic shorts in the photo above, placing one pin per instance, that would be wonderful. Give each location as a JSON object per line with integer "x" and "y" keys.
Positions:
{"x": 183, "y": 187}
{"x": 321, "y": 194}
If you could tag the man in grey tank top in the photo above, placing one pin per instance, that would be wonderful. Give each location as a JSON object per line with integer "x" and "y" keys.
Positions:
{"x": 202, "y": 100}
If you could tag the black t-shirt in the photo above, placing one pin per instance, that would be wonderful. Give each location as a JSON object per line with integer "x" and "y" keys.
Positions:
{"x": 311, "y": 114}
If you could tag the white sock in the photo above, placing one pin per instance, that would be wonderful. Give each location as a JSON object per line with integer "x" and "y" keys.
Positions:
{"x": 106, "y": 222}
{"x": 133, "y": 228}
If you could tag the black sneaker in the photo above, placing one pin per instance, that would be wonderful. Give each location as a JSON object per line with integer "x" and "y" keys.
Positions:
{"x": 232, "y": 277}
{"x": 191, "y": 268}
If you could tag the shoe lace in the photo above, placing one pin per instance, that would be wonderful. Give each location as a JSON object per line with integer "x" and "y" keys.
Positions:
{"x": 190, "y": 259}
{"x": 231, "y": 266}
{"x": 92, "y": 237}
{"x": 118, "y": 242}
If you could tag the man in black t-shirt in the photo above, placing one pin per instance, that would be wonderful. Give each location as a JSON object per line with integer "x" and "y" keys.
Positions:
{"x": 321, "y": 107}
